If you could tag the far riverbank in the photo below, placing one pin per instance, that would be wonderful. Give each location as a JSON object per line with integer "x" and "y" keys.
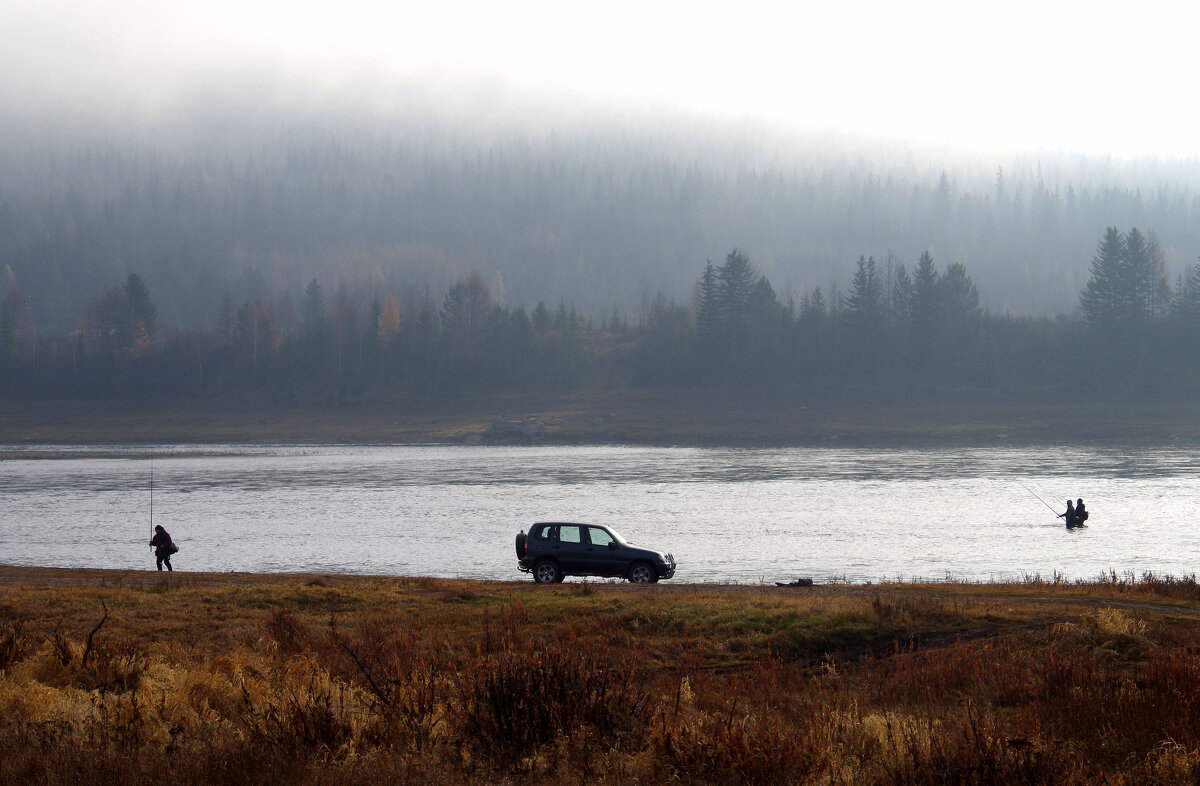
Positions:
{"x": 635, "y": 417}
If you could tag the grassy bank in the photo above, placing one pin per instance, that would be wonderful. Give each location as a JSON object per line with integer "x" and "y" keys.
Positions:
{"x": 692, "y": 417}
{"x": 126, "y": 677}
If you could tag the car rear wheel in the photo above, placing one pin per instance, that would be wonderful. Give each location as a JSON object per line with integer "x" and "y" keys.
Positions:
{"x": 547, "y": 572}
{"x": 642, "y": 573}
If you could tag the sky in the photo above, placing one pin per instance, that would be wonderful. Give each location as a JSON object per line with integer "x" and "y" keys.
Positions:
{"x": 1094, "y": 77}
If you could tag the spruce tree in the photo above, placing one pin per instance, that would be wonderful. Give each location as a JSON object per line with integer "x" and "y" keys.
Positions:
{"x": 814, "y": 308}
{"x": 143, "y": 314}
{"x": 1103, "y": 300}
{"x": 864, "y": 304}
{"x": 736, "y": 282}
{"x": 1137, "y": 278}
{"x": 902, "y": 296}
{"x": 926, "y": 306}
{"x": 959, "y": 297}
{"x": 708, "y": 316}
{"x": 1160, "y": 298}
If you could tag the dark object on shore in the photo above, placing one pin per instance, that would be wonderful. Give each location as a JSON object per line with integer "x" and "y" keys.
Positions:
{"x": 514, "y": 431}
{"x": 796, "y": 583}
{"x": 554, "y": 549}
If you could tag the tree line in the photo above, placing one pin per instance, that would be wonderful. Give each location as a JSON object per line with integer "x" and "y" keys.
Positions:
{"x": 890, "y": 325}
{"x": 558, "y": 218}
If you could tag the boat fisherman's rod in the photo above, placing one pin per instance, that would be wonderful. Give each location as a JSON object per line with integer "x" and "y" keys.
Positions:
{"x": 1039, "y": 499}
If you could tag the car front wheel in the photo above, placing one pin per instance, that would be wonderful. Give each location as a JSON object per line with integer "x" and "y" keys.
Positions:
{"x": 642, "y": 573}
{"x": 547, "y": 572}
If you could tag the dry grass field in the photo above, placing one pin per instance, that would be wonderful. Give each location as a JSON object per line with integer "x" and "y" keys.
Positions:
{"x": 125, "y": 677}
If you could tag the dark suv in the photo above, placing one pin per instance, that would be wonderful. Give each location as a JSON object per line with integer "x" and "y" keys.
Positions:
{"x": 552, "y": 550}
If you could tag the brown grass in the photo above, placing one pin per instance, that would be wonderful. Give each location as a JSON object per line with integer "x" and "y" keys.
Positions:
{"x": 130, "y": 677}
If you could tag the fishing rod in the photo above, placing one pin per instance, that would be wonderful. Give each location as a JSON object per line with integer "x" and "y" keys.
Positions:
{"x": 1039, "y": 499}
{"x": 151, "y": 498}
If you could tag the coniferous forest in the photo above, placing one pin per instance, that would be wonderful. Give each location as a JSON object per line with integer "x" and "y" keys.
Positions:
{"x": 312, "y": 269}
{"x": 921, "y": 323}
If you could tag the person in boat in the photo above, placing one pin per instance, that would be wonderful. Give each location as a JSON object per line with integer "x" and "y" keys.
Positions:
{"x": 1069, "y": 515}
{"x": 163, "y": 547}
{"x": 1081, "y": 513}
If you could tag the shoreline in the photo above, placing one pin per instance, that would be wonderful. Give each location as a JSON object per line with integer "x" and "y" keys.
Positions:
{"x": 134, "y": 577}
{"x": 690, "y": 418}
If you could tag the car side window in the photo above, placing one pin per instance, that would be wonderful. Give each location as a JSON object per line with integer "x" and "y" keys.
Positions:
{"x": 568, "y": 534}
{"x": 599, "y": 537}
{"x": 544, "y": 533}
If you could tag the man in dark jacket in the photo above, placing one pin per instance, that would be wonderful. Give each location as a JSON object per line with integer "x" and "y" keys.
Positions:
{"x": 1069, "y": 515}
{"x": 163, "y": 546}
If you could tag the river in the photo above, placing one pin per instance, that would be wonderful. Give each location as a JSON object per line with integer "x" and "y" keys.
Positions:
{"x": 727, "y": 515}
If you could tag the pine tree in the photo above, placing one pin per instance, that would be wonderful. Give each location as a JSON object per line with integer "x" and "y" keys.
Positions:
{"x": 864, "y": 304}
{"x": 736, "y": 279}
{"x": 814, "y": 308}
{"x": 708, "y": 316}
{"x": 540, "y": 320}
{"x": 767, "y": 314}
{"x": 1160, "y": 299}
{"x": 465, "y": 307}
{"x": 143, "y": 315}
{"x": 1103, "y": 300}
{"x": 959, "y": 297}
{"x": 1186, "y": 303}
{"x": 902, "y": 296}
{"x": 1137, "y": 278}
{"x": 926, "y": 305}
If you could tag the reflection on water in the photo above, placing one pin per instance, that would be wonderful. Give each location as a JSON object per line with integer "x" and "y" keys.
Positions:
{"x": 741, "y": 515}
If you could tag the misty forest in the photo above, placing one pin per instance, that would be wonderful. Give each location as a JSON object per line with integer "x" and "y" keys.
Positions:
{"x": 310, "y": 265}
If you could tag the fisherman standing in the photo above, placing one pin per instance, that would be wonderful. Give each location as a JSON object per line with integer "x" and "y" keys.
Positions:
{"x": 163, "y": 547}
{"x": 1081, "y": 513}
{"x": 1071, "y": 516}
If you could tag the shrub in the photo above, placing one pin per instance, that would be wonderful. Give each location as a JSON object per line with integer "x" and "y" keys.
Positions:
{"x": 517, "y": 700}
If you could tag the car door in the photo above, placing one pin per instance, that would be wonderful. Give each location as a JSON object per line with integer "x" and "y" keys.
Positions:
{"x": 572, "y": 547}
{"x": 605, "y": 560}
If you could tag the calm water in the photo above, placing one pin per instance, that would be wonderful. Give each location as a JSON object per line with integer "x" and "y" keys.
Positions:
{"x": 741, "y": 515}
